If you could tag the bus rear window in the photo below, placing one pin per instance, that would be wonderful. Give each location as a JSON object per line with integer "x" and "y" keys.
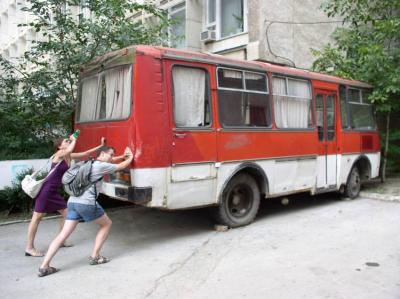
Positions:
{"x": 105, "y": 96}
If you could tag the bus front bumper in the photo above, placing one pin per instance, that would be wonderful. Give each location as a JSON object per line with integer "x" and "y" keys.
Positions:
{"x": 137, "y": 195}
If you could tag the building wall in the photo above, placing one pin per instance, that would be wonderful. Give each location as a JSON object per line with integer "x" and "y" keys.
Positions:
{"x": 11, "y": 168}
{"x": 288, "y": 43}
{"x": 269, "y": 39}
{"x": 14, "y": 40}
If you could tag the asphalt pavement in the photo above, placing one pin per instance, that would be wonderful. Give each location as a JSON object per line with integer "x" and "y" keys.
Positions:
{"x": 314, "y": 247}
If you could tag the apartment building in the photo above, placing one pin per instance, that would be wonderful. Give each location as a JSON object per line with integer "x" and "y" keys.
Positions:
{"x": 14, "y": 39}
{"x": 279, "y": 31}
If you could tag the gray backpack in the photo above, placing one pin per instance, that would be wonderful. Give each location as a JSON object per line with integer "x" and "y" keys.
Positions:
{"x": 77, "y": 179}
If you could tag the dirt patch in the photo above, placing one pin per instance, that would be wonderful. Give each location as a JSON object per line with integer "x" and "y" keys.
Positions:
{"x": 390, "y": 187}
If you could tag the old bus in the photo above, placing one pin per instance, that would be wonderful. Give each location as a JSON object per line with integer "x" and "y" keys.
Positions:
{"x": 211, "y": 131}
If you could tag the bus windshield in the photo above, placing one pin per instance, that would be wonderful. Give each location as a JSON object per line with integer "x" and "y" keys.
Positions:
{"x": 106, "y": 95}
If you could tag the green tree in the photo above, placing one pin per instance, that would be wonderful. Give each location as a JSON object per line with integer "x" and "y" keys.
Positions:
{"x": 367, "y": 48}
{"x": 38, "y": 92}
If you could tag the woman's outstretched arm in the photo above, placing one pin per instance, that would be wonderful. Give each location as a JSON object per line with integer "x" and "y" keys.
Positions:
{"x": 89, "y": 151}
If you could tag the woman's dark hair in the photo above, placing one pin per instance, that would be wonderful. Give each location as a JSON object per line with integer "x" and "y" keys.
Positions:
{"x": 105, "y": 149}
{"x": 57, "y": 142}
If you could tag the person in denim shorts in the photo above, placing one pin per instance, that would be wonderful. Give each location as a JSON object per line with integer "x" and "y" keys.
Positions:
{"x": 85, "y": 208}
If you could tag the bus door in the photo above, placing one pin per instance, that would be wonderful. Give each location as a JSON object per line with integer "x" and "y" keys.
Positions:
{"x": 193, "y": 148}
{"x": 326, "y": 123}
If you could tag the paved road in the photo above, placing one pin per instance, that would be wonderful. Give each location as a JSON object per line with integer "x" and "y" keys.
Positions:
{"x": 314, "y": 248}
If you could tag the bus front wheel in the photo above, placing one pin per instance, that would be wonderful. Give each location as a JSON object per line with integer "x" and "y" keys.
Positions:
{"x": 240, "y": 201}
{"x": 353, "y": 185}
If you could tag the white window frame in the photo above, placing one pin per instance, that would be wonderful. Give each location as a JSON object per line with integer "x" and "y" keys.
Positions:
{"x": 212, "y": 25}
{"x": 217, "y": 24}
{"x": 173, "y": 10}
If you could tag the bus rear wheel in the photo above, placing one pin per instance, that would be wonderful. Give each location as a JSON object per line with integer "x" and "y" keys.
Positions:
{"x": 353, "y": 185}
{"x": 240, "y": 201}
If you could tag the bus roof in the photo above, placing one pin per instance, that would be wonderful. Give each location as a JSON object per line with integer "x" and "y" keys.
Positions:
{"x": 162, "y": 52}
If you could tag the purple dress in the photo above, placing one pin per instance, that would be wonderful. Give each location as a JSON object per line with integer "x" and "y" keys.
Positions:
{"x": 49, "y": 200}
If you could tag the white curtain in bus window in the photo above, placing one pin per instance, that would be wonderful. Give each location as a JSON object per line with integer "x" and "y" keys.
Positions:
{"x": 292, "y": 103}
{"x": 118, "y": 92}
{"x": 189, "y": 96}
{"x": 89, "y": 96}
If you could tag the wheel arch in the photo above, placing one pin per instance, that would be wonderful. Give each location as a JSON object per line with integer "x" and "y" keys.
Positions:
{"x": 364, "y": 166}
{"x": 252, "y": 169}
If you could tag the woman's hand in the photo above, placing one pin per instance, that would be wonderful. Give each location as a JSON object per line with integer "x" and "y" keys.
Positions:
{"x": 103, "y": 141}
{"x": 72, "y": 137}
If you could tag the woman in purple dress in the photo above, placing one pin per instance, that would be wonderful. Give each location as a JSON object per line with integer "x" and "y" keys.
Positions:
{"x": 49, "y": 200}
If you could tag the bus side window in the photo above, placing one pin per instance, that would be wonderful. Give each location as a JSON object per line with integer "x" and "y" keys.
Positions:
{"x": 343, "y": 107}
{"x": 191, "y": 97}
{"x": 243, "y": 98}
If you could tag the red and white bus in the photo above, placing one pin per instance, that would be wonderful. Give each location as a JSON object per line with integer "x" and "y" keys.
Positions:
{"x": 207, "y": 130}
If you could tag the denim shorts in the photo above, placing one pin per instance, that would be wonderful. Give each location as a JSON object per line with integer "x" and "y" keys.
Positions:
{"x": 84, "y": 213}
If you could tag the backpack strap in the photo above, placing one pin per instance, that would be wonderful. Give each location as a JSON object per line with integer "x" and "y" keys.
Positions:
{"x": 95, "y": 182}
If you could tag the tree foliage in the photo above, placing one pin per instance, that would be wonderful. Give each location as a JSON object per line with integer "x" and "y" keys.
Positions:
{"x": 38, "y": 92}
{"x": 366, "y": 48}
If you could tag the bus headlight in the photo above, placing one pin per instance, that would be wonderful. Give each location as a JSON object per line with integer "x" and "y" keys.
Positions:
{"x": 120, "y": 177}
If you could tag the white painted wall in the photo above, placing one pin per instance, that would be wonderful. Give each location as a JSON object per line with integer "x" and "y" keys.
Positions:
{"x": 9, "y": 169}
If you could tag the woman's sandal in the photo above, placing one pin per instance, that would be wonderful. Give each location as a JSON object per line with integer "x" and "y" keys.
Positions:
{"x": 98, "y": 260}
{"x": 47, "y": 271}
{"x": 34, "y": 253}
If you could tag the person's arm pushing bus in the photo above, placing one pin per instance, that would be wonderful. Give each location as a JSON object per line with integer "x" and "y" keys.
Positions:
{"x": 128, "y": 156}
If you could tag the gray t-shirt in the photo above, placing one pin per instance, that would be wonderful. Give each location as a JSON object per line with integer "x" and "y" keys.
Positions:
{"x": 99, "y": 169}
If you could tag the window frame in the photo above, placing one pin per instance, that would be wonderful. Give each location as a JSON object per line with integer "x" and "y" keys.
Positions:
{"x": 217, "y": 24}
{"x": 209, "y": 25}
{"x": 361, "y": 103}
{"x": 313, "y": 125}
{"x": 174, "y": 9}
{"x": 266, "y": 93}
{"x": 96, "y": 75}
{"x": 208, "y": 81}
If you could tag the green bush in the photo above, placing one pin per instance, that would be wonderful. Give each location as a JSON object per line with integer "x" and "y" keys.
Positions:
{"x": 393, "y": 163}
{"x": 13, "y": 198}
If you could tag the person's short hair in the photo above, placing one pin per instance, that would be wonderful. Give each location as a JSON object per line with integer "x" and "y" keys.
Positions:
{"x": 104, "y": 149}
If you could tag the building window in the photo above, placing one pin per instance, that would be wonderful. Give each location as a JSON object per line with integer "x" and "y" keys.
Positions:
{"x": 292, "y": 103}
{"x": 191, "y": 94}
{"x": 226, "y": 17}
{"x": 177, "y": 30}
{"x": 211, "y": 14}
{"x": 243, "y": 99}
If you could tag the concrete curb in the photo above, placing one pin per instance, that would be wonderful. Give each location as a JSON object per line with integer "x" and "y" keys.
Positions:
{"x": 58, "y": 216}
{"x": 378, "y": 196}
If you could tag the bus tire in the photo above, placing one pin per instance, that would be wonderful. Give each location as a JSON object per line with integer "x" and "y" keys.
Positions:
{"x": 240, "y": 201}
{"x": 353, "y": 184}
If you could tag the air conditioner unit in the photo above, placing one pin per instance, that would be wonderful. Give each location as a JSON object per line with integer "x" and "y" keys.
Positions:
{"x": 208, "y": 36}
